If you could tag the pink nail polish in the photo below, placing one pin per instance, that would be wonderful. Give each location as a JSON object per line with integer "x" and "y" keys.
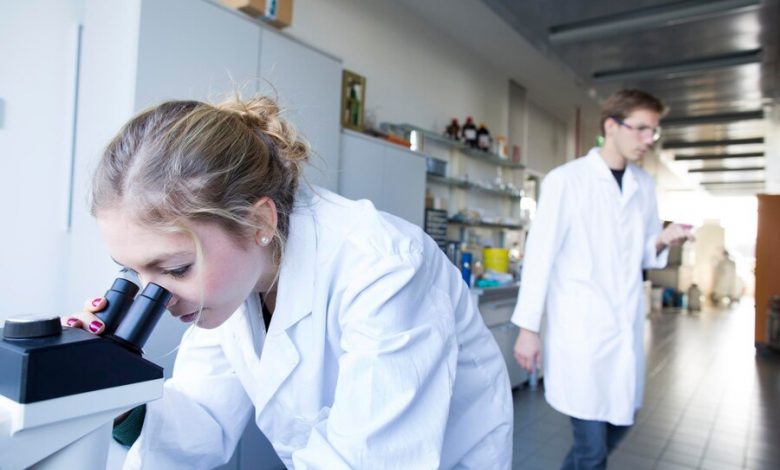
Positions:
{"x": 96, "y": 301}
{"x": 72, "y": 321}
{"x": 95, "y": 326}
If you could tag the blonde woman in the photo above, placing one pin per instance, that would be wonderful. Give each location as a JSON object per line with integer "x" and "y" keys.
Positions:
{"x": 344, "y": 332}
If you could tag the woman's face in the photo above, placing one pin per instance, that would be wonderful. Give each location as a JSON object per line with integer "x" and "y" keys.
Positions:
{"x": 228, "y": 272}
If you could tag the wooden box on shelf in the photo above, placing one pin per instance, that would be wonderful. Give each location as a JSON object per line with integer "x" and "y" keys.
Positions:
{"x": 276, "y": 12}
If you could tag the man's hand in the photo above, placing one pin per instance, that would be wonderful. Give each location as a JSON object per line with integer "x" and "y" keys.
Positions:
{"x": 673, "y": 235}
{"x": 528, "y": 351}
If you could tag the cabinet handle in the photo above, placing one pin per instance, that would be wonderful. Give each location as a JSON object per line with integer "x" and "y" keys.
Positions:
{"x": 71, "y": 168}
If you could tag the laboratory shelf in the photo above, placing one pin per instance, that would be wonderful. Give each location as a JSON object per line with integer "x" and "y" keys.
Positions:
{"x": 484, "y": 224}
{"x": 463, "y": 184}
{"x": 476, "y": 154}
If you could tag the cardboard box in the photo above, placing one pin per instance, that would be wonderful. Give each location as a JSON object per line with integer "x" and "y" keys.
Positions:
{"x": 276, "y": 12}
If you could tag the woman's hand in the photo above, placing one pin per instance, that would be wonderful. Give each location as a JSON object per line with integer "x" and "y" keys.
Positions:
{"x": 87, "y": 319}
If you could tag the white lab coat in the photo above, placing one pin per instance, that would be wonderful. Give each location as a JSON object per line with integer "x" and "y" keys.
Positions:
{"x": 582, "y": 265}
{"x": 376, "y": 357}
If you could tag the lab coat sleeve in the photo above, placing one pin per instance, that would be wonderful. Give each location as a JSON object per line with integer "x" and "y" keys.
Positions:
{"x": 544, "y": 241}
{"x": 201, "y": 415}
{"x": 396, "y": 372}
{"x": 651, "y": 259}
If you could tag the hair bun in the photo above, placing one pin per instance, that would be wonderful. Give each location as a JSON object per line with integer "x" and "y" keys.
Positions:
{"x": 263, "y": 115}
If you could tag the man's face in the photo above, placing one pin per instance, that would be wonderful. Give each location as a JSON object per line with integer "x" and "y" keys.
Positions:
{"x": 634, "y": 135}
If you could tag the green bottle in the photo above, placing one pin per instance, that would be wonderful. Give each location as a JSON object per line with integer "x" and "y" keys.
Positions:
{"x": 354, "y": 106}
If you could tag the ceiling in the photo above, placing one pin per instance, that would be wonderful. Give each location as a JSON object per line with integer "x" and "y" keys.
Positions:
{"x": 713, "y": 62}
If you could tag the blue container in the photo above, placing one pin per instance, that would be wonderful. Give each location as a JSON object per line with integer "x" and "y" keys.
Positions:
{"x": 465, "y": 267}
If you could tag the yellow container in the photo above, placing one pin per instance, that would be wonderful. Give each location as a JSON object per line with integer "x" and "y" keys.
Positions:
{"x": 496, "y": 259}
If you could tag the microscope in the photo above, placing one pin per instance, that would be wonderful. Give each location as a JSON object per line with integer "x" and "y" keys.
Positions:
{"x": 61, "y": 388}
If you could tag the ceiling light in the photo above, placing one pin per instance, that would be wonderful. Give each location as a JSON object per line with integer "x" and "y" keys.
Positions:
{"x": 683, "y": 144}
{"x": 718, "y": 156}
{"x": 643, "y": 18}
{"x": 679, "y": 68}
{"x": 724, "y": 169}
{"x": 722, "y": 118}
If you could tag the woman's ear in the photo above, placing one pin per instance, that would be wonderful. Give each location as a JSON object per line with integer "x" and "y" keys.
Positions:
{"x": 266, "y": 217}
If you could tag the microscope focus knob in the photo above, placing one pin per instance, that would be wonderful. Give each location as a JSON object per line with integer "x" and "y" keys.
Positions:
{"x": 32, "y": 326}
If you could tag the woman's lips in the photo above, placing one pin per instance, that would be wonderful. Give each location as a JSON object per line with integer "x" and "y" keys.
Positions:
{"x": 189, "y": 318}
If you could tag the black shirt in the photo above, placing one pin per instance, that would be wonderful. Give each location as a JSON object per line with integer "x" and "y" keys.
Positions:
{"x": 266, "y": 313}
{"x": 618, "y": 174}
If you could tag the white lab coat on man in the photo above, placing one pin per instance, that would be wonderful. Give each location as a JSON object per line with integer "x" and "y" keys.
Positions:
{"x": 582, "y": 265}
{"x": 376, "y": 357}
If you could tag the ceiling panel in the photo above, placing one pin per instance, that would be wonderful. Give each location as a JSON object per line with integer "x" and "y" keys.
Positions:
{"x": 705, "y": 59}
{"x": 725, "y": 163}
{"x": 711, "y": 37}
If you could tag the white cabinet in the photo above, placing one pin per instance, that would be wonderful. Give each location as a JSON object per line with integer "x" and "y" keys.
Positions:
{"x": 391, "y": 177}
{"x": 39, "y": 51}
{"x": 307, "y": 83}
{"x": 194, "y": 50}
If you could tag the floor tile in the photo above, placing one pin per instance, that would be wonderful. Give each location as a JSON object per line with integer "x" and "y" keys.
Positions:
{"x": 684, "y": 458}
{"x": 667, "y": 465}
{"x": 694, "y": 415}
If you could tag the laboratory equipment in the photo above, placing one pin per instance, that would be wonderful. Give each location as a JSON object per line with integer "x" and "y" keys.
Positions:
{"x": 61, "y": 388}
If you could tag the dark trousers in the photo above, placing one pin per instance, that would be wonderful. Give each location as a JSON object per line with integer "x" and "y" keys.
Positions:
{"x": 593, "y": 442}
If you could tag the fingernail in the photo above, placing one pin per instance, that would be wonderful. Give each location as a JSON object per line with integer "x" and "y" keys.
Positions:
{"x": 72, "y": 321}
{"x": 96, "y": 301}
{"x": 95, "y": 326}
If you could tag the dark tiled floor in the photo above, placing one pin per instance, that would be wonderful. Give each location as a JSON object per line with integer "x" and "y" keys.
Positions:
{"x": 711, "y": 401}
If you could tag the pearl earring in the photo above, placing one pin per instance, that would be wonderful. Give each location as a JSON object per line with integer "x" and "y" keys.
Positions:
{"x": 265, "y": 240}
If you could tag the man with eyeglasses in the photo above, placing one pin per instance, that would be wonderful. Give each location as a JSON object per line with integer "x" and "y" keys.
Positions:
{"x": 596, "y": 228}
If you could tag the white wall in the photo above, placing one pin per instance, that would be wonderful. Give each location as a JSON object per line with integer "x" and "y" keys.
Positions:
{"x": 772, "y": 147}
{"x": 546, "y": 143}
{"x": 420, "y": 71}
{"x": 414, "y": 73}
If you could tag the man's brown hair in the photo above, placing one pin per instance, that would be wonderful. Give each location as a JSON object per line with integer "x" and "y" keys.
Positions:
{"x": 622, "y": 103}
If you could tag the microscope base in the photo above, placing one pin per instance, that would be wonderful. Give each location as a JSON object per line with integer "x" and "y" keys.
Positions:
{"x": 69, "y": 432}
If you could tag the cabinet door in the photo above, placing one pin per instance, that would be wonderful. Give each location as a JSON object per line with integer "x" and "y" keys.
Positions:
{"x": 307, "y": 83}
{"x": 38, "y": 46}
{"x": 361, "y": 169}
{"x": 497, "y": 312}
{"x": 404, "y": 177}
{"x": 194, "y": 50}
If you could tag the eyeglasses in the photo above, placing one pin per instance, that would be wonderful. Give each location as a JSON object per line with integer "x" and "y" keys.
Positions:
{"x": 643, "y": 131}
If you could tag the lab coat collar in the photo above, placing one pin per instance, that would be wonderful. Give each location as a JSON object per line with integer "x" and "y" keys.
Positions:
{"x": 630, "y": 183}
{"x": 280, "y": 356}
{"x": 296, "y": 275}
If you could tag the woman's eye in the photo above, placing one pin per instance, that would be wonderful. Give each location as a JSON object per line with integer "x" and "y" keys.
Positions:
{"x": 177, "y": 272}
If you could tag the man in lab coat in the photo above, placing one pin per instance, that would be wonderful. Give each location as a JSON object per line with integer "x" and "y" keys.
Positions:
{"x": 596, "y": 228}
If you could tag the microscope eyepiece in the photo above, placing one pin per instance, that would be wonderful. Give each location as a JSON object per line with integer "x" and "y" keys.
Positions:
{"x": 143, "y": 315}
{"x": 119, "y": 298}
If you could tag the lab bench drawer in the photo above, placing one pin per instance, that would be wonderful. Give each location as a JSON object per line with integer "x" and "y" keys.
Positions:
{"x": 497, "y": 312}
